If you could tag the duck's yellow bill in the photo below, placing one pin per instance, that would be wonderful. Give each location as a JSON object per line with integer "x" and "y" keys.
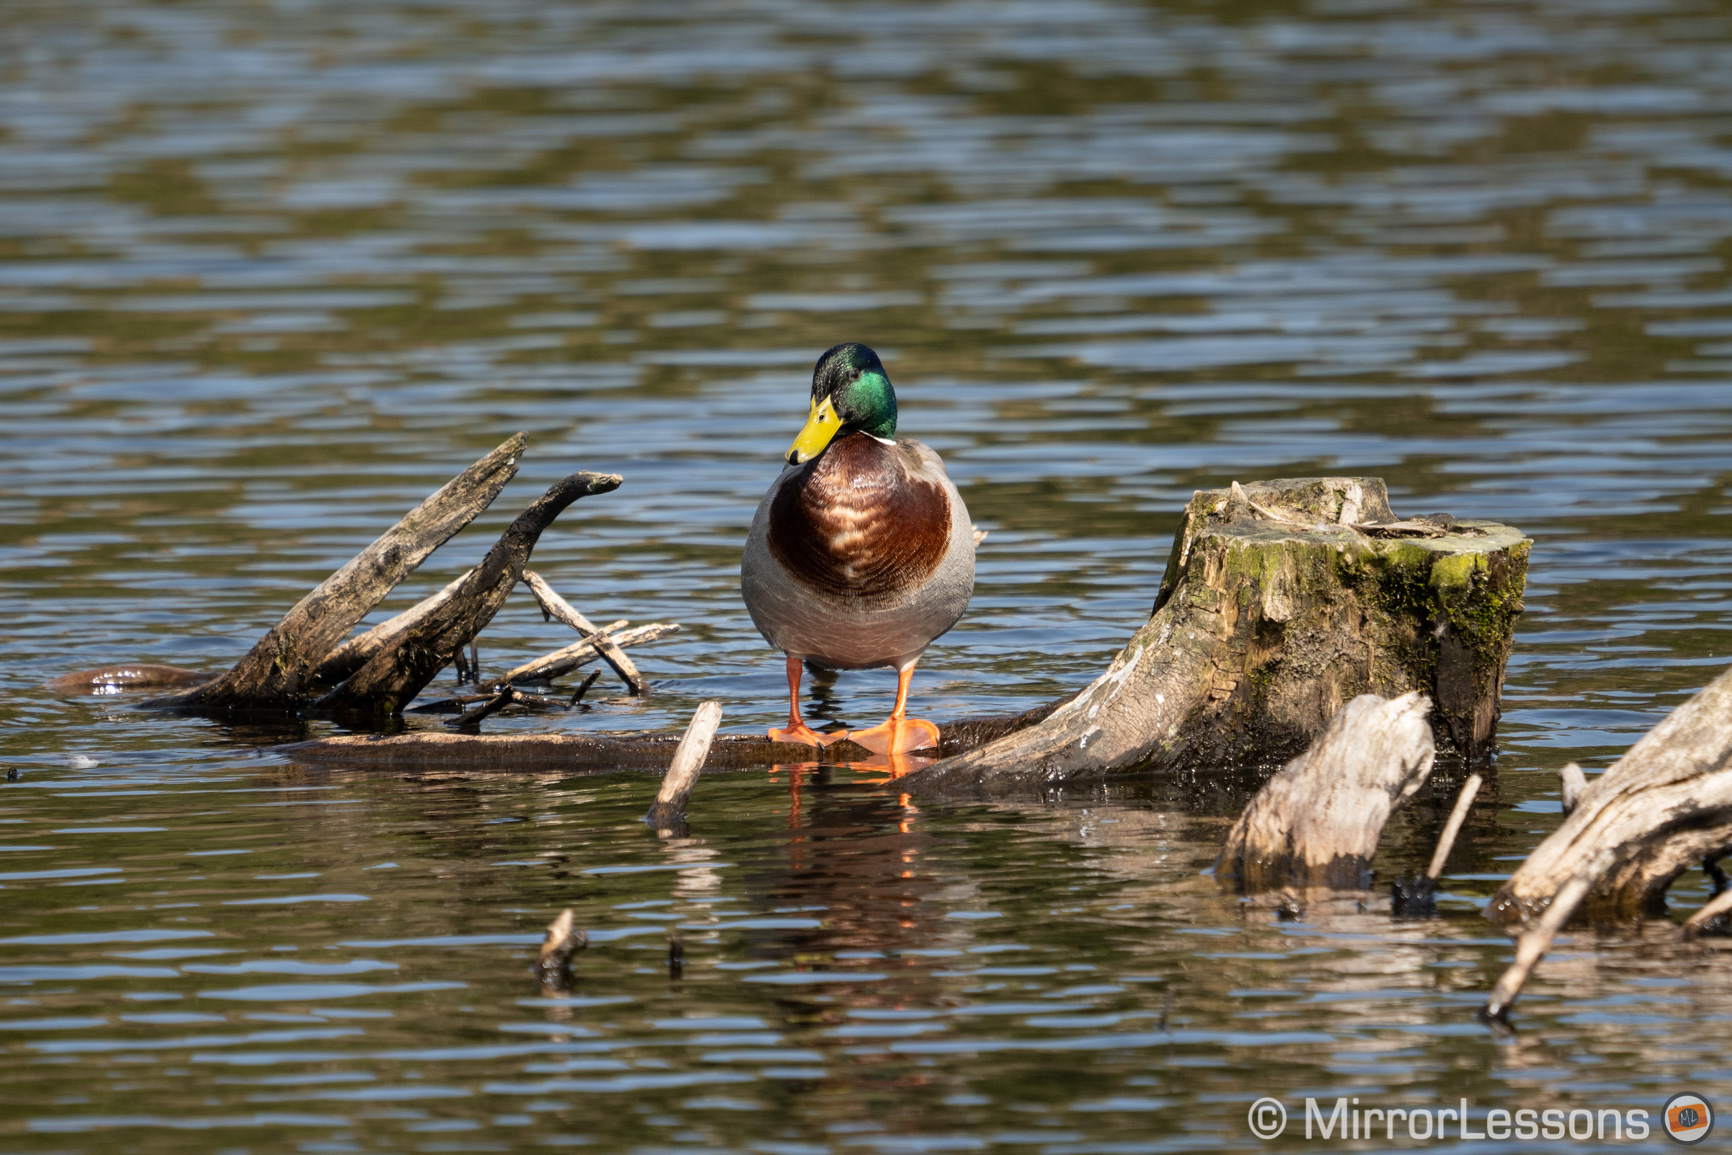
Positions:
{"x": 821, "y": 426}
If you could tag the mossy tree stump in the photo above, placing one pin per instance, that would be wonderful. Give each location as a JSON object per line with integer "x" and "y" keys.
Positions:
{"x": 1282, "y": 601}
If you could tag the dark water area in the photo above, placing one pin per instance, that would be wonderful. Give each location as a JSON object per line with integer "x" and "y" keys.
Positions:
{"x": 270, "y": 273}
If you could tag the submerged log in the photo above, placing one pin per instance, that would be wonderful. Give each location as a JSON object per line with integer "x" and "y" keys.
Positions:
{"x": 1281, "y": 601}
{"x": 124, "y": 679}
{"x": 1317, "y": 821}
{"x": 1662, "y": 808}
{"x": 277, "y": 673}
{"x": 420, "y": 750}
{"x": 411, "y": 659}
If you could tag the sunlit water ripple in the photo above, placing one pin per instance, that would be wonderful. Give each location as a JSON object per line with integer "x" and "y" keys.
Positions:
{"x": 269, "y": 273}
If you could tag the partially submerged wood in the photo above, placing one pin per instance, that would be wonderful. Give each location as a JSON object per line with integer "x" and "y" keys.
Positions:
{"x": 667, "y": 814}
{"x": 554, "y": 606}
{"x": 1451, "y": 828}
{"x": 589, "y": 753}
{"x": 1713, "y": 909}
{"x": 355, "y": 653}
{"x": 1317, "y": 821}
{"x": 1415, "y": 896}
{"x": 553, "y": 961}
{"x": 1532, "y": 946}
{"x": 1281, "y": 601}
{"x": 125, "y": 679}
{"x": 1571, "y": 783}
{"x": 278, "y": 672}
{"x": 1663, "y": 807}
{"x": 401, "y": 667}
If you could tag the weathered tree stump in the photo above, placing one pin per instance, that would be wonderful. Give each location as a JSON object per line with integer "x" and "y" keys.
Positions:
{"x": 1282, "y": 600}
{"x": 411, "y": 659}
{"x": 1316, "y": 823}
{"x": 1662, "y": 808}
{"x": 277, "y": 673}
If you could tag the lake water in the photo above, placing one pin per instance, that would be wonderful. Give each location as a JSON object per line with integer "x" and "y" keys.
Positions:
{"x": 271, "y": 272}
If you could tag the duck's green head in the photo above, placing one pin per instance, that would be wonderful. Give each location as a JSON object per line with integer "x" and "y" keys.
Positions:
{"x": 850, "y": 391}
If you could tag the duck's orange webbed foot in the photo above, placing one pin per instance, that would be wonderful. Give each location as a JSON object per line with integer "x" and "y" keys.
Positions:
{"x": 897, "y": 736}
{"x": 802, "y": 734}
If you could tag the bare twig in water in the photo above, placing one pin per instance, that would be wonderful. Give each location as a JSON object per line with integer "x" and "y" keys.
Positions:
{"x": 473, "y": 715}
{"x": 1532, "y": 946}
{"x": 1446, "y": 840}
{"x": 583, "y": 689}
{"x": 553, "y": 965}
{"x": 550, "y": 666}
{"x": 667, "y": 816}
{"x": 554, "y": 605}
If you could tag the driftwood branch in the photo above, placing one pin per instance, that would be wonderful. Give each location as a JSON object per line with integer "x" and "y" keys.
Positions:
{"x": 1451, "y": 828}
{"x": 1532, "y": 946}
{"x": 554, "y": 606}
{"x": 667, "y": 815}
{"x": 1317, "y": 821}
{"x": 355, "y": 653}
{"x": 1714, "y": 908}
{"x": 1281, "y": 601}
{"x": 1662, "y": 808}
{"x": 278, "y": 671}
{"x": 401, "y": 667}
{"x": 578, "y": 654}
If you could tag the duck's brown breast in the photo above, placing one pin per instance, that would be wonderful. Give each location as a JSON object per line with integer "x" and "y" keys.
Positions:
{"x": 858, "y": 522}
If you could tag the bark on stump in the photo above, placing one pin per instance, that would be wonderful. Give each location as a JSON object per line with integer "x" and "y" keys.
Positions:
{"x": 1282, "y": 601}
{"x": 1662, "y": 808}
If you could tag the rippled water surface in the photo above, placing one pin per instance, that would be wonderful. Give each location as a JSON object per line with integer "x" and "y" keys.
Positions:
{"x": 269, "y": 273}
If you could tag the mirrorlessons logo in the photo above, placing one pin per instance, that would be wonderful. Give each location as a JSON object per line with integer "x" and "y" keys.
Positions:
{"x": 1686, "y": 1118}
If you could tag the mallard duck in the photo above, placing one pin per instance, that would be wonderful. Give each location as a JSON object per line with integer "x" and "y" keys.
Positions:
{"x": 862, "y": 552}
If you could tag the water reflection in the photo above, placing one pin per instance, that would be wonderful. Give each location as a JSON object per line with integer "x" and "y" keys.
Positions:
{"x": 267, "y": 277}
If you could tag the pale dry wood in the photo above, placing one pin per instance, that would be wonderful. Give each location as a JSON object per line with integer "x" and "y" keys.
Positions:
{"x": 667, "y": 815}
{"x": 1532, "y": 946}
{"x": 1660, "y": 809}
{"x": 557, "y": 607}
{"x": 354, "y": 653}
{"x": 1317, "y": 821}
{"x": 553, "y": 961}
{"x": 1278, "y": 605}
{"x": 397, "y": 672}
{"x": 278, "y": 672}
{"x": 1451, "y": 828}
{"x": 1716, "y": 906}
{"x": 578, "y": 654}
{"x": 1571, "y": 783}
